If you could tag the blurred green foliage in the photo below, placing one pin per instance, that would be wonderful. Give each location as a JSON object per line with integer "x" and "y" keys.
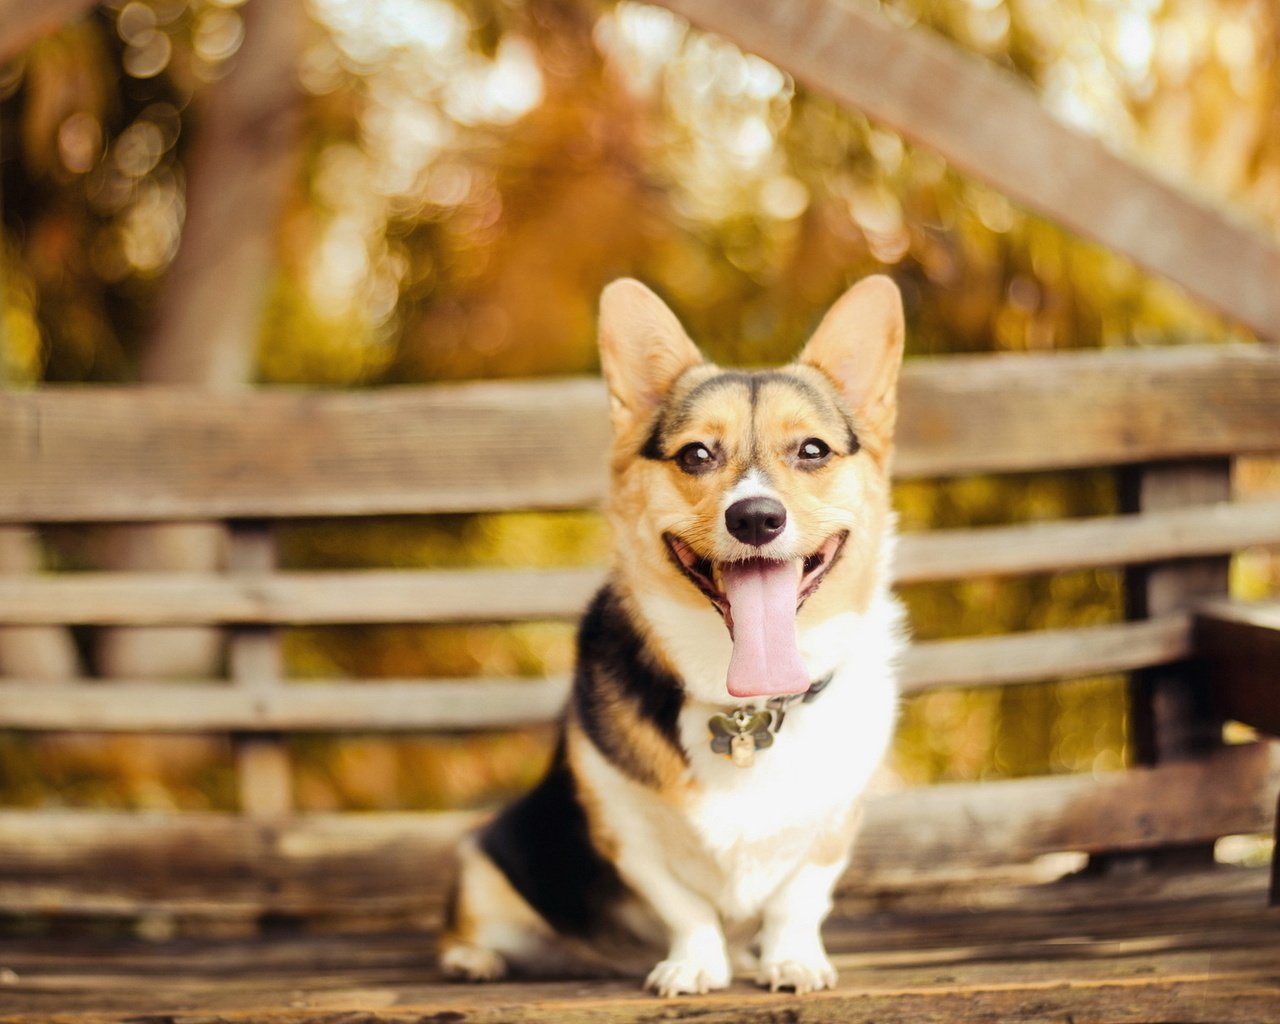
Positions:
{"x": 473, "y": 171}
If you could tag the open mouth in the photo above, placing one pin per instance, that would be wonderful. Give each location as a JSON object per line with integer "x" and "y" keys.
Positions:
{"x": 709, "y": 577}
{"x": 759, "y": 599}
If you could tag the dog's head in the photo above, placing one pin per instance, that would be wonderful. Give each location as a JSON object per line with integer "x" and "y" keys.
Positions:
{"x": 762, "y": 494}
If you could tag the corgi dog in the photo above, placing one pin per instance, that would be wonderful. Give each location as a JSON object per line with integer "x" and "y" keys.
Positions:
{"x": 734, "y": 689}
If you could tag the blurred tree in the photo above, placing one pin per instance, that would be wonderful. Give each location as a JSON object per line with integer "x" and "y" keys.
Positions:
{"x": 22, "y": 22}
{"x": 210, "y": 303}
{"x": 28, "y": 652}
{"x": 471, "y": 171}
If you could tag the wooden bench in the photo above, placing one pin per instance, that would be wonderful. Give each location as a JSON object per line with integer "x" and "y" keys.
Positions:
{"x": 1168, "y": 422}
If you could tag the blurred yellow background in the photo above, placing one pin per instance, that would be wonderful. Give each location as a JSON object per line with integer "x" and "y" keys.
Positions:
{"x": 460, "y": 179}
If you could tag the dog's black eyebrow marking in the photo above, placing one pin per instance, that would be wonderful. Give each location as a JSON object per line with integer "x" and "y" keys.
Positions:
{"x": 673, "y": 418}
{"x": 679, "y": 416}
{"x": 851, "y": 435}
{"x": 670, "y": 419}
{"x": 817, "y": 398}
{"x": 653, "y": 448}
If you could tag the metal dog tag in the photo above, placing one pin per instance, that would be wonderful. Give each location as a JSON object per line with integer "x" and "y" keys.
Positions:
{"x": 742, "y": 750}
{"x": 740, "y": 734}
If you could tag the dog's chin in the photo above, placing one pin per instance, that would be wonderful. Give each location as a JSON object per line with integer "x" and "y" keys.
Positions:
{"x": 708, "y": 575}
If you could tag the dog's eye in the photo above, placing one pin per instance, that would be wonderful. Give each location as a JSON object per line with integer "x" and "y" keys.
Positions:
{"x": 695, "y": 458}
{"x": 813, "y": 450}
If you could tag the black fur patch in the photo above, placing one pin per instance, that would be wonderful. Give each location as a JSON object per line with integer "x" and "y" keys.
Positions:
{"x": 542, "y": 845}
{"x": 616, "y": 680}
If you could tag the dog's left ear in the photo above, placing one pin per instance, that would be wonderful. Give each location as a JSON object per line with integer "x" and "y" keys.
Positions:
{"x": 643, "y": 350}
{"x": 859, "y": 346}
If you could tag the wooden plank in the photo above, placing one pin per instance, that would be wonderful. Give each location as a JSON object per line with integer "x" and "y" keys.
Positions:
{"x": 1170, "y": 712}
{"x": 203, "y": 863}
{"x": 300, "y": 598}
{"x": 1039, "y": 954}
{"x": 162, "y": 453}
{"x": 1045, "y": 654}
{"x": 264, "y": 778}
{"x": 382, "y": 706}
{"x": 952, "y": 968}
{"x": 23, "y": 22}
{"x": 1239, "y": 644}
{"x": 514, "y": 595}
{"x": 404, "y": 705}
{"x": 34, "y": 651}
{"x": 1025, "y": 413}
{"x": 1228, "y": 792}
{"x": 990, "y": 126}
{"x": 1217, "y": 528}
{"x": 159, "y": 453}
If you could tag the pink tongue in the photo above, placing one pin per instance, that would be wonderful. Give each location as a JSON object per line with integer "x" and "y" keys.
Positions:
{"x": 762, "y": 599}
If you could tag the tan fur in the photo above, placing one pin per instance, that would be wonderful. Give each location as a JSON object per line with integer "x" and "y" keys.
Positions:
{"x": 484, "y": 895}
{"x": 646, "y": 493}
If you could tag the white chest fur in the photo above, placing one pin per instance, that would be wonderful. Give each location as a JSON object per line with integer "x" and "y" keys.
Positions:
{"x": 740, "y": 832}
{"x": 756, "y": 823}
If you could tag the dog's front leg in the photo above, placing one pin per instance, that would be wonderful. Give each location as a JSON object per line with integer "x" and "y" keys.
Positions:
{"x": 791, "y": 951}
{"x": 697, "y": 958}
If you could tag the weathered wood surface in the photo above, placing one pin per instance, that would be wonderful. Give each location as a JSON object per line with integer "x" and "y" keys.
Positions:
{"x": 300, "y": 598}
{"x": 1239, "y": 643}
{"x": 255, "y": 658}
{"x": 424, "y": 704}
{"x": 167, "y": 453}
{"x": 1212, "y": 529}
{"x": 1133, "y": 951}
{"x": 990, "y": 126}
{"x": 1169, "y": 716}
{"x": 1045, "y": 654}
{"x": 336, "y": 866}
{"x": 372, "y": 706}
{"x": 513, "y": 595}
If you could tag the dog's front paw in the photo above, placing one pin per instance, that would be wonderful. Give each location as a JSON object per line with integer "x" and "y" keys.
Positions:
{"x": 463, "y": 961}
{"x": 808, "y": 975}
{"x": 687, "y": 977}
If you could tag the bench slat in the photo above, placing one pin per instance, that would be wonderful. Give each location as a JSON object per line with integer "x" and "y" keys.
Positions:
{"x": 513, "y": 595}
{"x": 299, "y": 598}
{"x": 374, "y": 706}
{"x": 1215, "y": 529}
{"x": 69, "y": 454}
{"x": 419, "y": 705}
{"x": 121, "y": 863}
{"x": 1046, "y": 654}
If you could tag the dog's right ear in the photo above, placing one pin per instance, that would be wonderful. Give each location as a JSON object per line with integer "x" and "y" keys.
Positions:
{"x": 643, "y": 350}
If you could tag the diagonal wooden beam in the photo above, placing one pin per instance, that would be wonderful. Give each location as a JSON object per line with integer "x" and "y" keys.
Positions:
{"x": 989, "y": 126}
{"x": 22, "y": 22}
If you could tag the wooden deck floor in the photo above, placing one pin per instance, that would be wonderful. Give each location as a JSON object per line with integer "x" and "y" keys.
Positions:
{"x": 1175, "y": 948}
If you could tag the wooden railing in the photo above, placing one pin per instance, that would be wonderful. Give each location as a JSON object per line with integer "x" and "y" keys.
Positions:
{"x": 250, "y": 458}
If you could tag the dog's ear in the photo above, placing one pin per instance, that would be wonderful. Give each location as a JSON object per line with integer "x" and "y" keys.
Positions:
{"x": 858, "y": 345}
{"x": 643, "y": 349}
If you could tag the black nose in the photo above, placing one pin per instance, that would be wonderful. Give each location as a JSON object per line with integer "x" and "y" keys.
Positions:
{"x": 756, "y": 520}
